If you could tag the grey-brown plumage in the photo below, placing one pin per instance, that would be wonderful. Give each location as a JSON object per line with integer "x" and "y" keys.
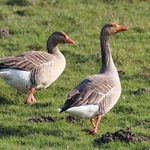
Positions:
{"x": 95, "y": 90}
{"x": 97, "y": 94}
{"x": 35, "y": 70}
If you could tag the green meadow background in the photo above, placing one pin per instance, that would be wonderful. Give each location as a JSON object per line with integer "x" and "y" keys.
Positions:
{"x": 30, "y": 23}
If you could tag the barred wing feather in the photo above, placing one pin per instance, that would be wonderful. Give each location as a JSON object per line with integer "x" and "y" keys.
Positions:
{"x": 26, "y": 61}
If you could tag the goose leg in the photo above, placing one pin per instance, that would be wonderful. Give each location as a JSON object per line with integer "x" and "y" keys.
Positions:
{"x": 92, "y": 122}
{"x": 30, "y": 98}
{"x": 94, "y": 130}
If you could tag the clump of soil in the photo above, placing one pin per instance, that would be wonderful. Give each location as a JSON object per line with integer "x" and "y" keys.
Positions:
{"x": 140, "y": 91}
{"x": 122, "y": 135}
{"x": 143, "y": 123}
{"x": 3, "y": 33}
{"x": 70, "y": 119}
{"x": 41, "y": 119}
{"x": 2, "y": 130}
{"x": 121, "y": 73}
{"x": 19, "y": 12}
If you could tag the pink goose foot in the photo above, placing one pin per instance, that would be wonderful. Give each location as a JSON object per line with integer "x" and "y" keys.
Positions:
{"x": 30, "y": 98}
{"x": 33, "y": 100}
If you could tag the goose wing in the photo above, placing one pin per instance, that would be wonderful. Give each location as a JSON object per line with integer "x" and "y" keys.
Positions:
{"x": 27, "y": 61}
{"x": 91, "y": 91}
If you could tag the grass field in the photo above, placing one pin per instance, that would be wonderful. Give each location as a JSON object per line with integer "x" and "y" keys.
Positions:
{"x": 30, "y": 23}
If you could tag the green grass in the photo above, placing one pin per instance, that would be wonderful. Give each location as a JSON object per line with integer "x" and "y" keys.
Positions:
{"x": 30, "y": 23}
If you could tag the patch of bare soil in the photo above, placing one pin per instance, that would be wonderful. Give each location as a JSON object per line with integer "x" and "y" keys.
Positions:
{"x": 122, "y": 135}
{"x": 40, "y": 119}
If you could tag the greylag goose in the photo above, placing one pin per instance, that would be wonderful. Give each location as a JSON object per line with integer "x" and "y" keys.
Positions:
{"x": 97, "y": 94}
{"x": 35, "y": 70}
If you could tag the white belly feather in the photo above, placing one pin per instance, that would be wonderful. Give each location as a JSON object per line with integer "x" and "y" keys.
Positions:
{"x": 18, "y": 79}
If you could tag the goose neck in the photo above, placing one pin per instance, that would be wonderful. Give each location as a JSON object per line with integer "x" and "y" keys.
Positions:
{"x": 52, "y": 46}
{"x": 107, "y": 61}
{"x": 105, "y": 50}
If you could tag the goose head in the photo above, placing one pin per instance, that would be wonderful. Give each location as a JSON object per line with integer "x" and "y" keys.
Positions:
{"x": 112, "y": 28}
{"x": 60, "y": 37}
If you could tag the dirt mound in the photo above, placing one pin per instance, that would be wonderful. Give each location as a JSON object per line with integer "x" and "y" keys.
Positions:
{"x": 41, "y": 119}
{"x": 122, "y": 135}
{"x": 70, "y": 119}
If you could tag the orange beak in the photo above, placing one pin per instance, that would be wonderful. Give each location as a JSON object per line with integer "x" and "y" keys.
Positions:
{"x": 68, "y": 40}
{"x": 121, "y": 28}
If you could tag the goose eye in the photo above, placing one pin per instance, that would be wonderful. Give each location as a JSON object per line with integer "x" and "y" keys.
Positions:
{"x": 61, "y": 34}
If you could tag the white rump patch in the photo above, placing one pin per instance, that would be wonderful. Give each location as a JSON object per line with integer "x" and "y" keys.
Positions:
{"x": 18, "y": 79}
{"x": 87, "y": 111}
